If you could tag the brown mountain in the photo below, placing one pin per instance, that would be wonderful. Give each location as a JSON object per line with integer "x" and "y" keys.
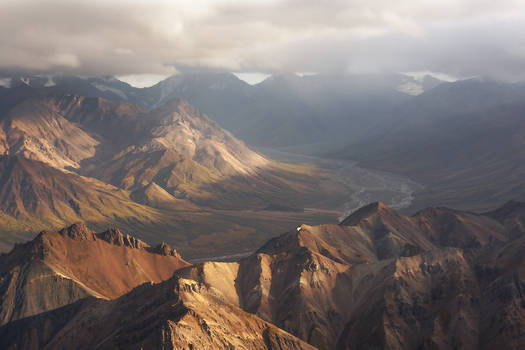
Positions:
{"x": 66, "y": 130}
{"x": 35, "y": 129}
{"x": 185, "y": 153}
{"x": 378, "y": 280}
{"x": 34, "y": 195}
{"x": 440, "y": 279}
{"x": 59, "y": 268}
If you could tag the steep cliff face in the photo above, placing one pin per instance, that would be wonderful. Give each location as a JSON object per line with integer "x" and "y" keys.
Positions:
{"x": 427, "y": 301}
{"x": 59, "y": 268}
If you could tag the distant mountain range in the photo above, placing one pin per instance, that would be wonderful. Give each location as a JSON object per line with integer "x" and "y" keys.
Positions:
{"x": 464, "y": 141}
{"x": 459, "y": 139}
{"x": 285, "y": 110}
{"x": 439, "y": 279}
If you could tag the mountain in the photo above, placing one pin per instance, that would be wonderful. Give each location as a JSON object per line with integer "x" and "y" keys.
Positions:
{"x": 170, "y": 173}
{"x": 35, "y": 129}
{"x": 461, "y": 140}
{"x": 408, "y": 275}
{"x": 288, "y": 110}
{"x": 63, "y": 131}
{"x": 211, "y": 91}
{"x": 312, "y": 113}
{"x": 177, "y": 144}
{"x": 59, "y": 268}
{"x": 176, "y": 314}
{"x": 441, "y": 278}
{"x": 107, "y": 87}
{"x": 33, "y": 195}
{"x": 459, "y": 97}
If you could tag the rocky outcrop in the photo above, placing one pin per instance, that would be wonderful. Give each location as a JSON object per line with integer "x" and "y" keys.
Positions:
{"x": 78, "y": 231}
{"x": 114, "y": 236}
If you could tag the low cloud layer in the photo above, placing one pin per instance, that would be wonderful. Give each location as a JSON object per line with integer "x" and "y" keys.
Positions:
{"x": 457, "y": 37}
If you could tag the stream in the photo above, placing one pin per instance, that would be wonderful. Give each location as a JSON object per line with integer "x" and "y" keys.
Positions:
{"x": 362, "y": 185}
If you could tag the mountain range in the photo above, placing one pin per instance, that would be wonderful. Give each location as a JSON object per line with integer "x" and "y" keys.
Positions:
{"x": 459, "y": 140}
{"x": 441, "y": 278}
{"x": 285, "y": 110}
{"x": 463, "y": 140}
{"x": 66, "y": 158}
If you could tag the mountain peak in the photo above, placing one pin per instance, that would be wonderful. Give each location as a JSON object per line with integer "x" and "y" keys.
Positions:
{"x": 78, "y": 231}
{"x": 59, "y": 268}
{"x": 365, "y": 212}
{"x": 512, "y": 215}
{"x": 164, "y": 249}
{"x": 509, "y": 207}
{"x": 116, "y": 237}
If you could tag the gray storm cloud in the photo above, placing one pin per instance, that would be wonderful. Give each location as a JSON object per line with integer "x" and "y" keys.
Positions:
{"x": 460, "y": 37}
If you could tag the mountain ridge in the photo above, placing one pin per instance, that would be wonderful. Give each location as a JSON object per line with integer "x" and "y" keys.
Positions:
{"x": 333, "y": 286}
{"x": 58, "y": 268}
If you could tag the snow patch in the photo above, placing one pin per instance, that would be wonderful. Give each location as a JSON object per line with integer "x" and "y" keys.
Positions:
{"x": 5, "y": 82}
{"x": 411, "y": 88}
{"x": 89, "y": 290}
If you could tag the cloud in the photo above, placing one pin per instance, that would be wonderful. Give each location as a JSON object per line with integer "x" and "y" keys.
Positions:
{"x": 457, "y": 37}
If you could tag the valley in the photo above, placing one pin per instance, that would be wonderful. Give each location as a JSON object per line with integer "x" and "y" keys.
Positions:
{"x": 171, "y": 174}
{"x": 359, "y": 185}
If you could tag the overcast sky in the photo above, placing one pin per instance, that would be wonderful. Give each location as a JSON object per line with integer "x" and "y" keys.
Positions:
{"x": 457, "y": 37}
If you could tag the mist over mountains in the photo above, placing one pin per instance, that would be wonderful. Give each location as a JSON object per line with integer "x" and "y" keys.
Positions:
{"x": 283, "y": 110}
{"x": 188, "y": 161}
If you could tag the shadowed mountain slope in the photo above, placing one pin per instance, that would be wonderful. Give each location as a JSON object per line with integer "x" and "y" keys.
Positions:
{"x": 464, "y": 141}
